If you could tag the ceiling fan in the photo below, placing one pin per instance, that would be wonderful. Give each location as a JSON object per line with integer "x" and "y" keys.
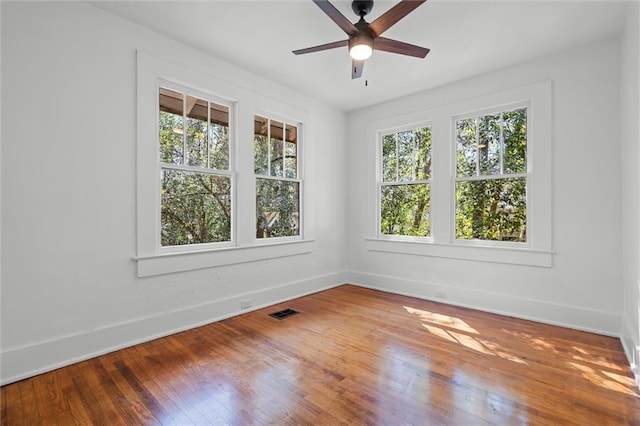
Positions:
{"x": 365, "y": 37}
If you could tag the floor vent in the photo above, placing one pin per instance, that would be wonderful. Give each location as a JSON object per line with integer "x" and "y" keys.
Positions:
{"x": 286, "y": 313}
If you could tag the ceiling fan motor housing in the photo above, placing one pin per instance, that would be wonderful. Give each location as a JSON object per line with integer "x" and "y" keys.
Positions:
{"x": 362, "y": 7}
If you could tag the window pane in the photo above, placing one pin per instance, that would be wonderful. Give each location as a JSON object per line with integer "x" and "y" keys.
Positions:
{"x": 276, "y": 149}
{"x": 405, "y": 210}
{"x": 195, "y": 208}
{"x": 489, "y": 144}
{"x": 423, "y": 153}
{"x": 406, "y": 155}
{"x": 277, "y": 208}
{"x": 197, "y": 132}
{"x": 290, "y": 151}
{"x": 493, "y": 209}
{"x": 171, "y": 130}
{"x": 515, "y": 141}
{"x": 466, "y": 147}
{"x": 260, "y": 145}
{"x": 389, "y": 158}
{"x": 218, "y": 137}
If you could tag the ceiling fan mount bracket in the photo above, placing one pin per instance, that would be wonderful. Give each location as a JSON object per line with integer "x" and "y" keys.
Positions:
{"x": 362, "y": 7}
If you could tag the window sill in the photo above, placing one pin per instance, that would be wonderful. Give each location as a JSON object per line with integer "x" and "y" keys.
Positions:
{"x": 160, "y": 264}
{"x": 508, "y": 255}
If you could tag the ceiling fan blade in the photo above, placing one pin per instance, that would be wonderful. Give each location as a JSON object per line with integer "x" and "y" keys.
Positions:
{"x": 393, "y": 15}
{"x": 356, "y": 69}
{"x": 337, "y": 17}
{"x": 321, "y": 47}
{"x": 395, "y": 46}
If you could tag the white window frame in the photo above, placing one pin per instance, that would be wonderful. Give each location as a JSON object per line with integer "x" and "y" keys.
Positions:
{"x": 299, "y": 176}
{"x": 379, "y": 173}
{"x": 150, "y": 257}
{"x": 527, "y": 175}
{"x": 231, "y": 172}
{"x": 537, "y": 251}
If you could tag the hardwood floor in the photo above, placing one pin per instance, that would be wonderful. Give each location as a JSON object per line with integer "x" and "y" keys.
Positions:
{"x": 351, "y": 356}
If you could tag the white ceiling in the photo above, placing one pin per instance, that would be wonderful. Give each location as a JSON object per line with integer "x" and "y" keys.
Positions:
{"x": 466, "y": 38}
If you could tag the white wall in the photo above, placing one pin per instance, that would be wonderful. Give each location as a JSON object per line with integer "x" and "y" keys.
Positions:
{"x": 69, "y": 286}
{"x": 630, "y": 97}
{"x": 582, "y": 289}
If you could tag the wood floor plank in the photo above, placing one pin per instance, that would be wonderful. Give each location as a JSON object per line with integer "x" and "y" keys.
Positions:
{"x": 4, "y": 401}
{"x": 71, "y": 402}
{"x": 49, "y": 399}
{"x": 149, "y": 371}
{"x": 351, "y": 356}
{"x": 159, "y": 369}
{"x": 94, "y": 397}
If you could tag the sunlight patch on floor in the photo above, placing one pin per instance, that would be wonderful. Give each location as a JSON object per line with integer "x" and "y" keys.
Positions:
{"x": 601, "y": 362}
{"x": 537, "y": 343}
{"x": 443, "y": 320}
{"x": 596, "y": 369}
{"x": 607, "y": 380}
{"x": 458, "y": 331}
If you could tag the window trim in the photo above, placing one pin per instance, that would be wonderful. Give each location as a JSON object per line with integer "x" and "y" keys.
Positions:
{"x": 538, "y": 249}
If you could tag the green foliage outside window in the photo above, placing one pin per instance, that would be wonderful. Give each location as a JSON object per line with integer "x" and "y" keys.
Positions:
{"x": 277, "y": 207}
{"x": 196, "y": 208}
{"x": 404, "y": 210}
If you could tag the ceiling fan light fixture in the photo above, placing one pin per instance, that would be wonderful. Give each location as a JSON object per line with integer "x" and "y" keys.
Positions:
{"x": 361, "y": 47}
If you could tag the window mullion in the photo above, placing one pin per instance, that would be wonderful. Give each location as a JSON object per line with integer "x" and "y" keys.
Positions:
{"x": 502, "y": 145}
{"x": 279, "y": 178}
{"x": 491, "y": 177}
{"x": 268, "y": 146}
{"x": 395, "y": 138}
{"x": 414, "y": 155}
{"x": 184, "y": 128}
{"x": 477, "y": 143}
{"x": 401, "y": 183}
{"x": 209, "y": 135}
{"x": 192, "y": 169}
{"x": 284, "y": 151}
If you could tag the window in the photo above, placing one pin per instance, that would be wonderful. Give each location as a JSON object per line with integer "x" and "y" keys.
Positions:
{"x": 405, "y": 182}
{"x": 471, "y": 180}
{"x": 491, "y": 177}
{"x": 196, "y": 182}
{"x": 278, "y": 184}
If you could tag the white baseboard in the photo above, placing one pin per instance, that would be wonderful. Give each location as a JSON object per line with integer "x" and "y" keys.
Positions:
{"x": 27, "y": 361}
{"x": 550, "y": 313}
{"x": 631, "y": 345}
